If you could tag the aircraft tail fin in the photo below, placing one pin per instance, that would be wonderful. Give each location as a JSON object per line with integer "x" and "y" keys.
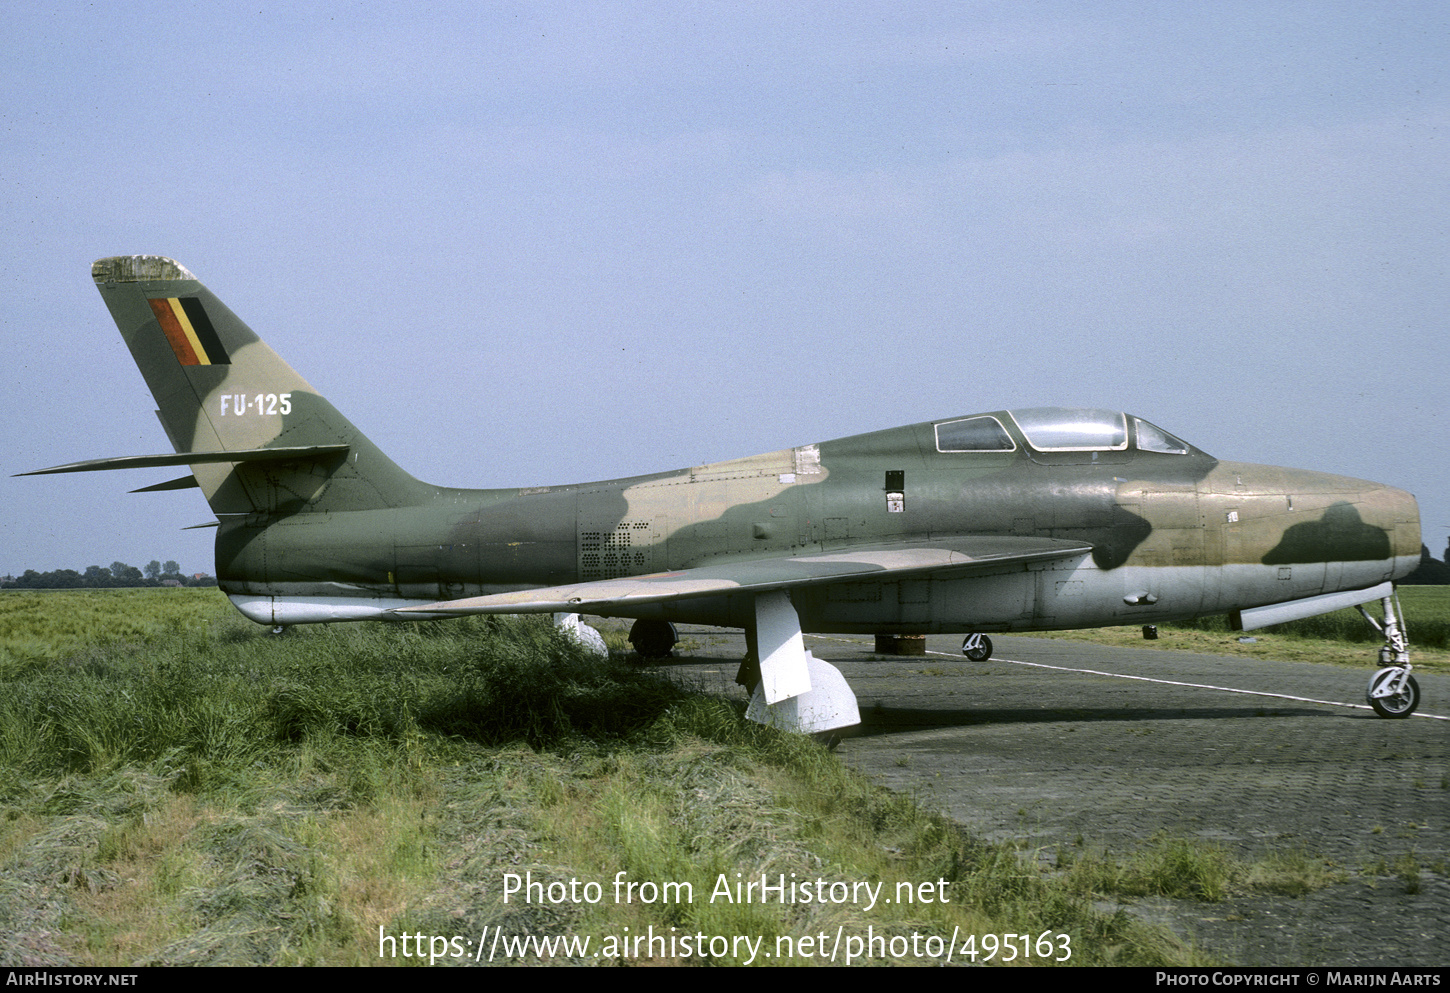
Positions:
{"x": 222, "y": 391}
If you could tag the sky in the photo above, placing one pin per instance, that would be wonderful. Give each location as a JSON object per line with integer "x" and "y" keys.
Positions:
{"x": 532, "y": 244}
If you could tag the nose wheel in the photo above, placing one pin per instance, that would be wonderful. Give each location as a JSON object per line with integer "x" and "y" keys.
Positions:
{"x": 977, "y": 647}
{"x": 1392, "y": 691}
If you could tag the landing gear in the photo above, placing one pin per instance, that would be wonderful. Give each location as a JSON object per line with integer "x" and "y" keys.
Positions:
{"x": 794, "y": 691}
{"x": 1392, "y": 691}
{"x": 748, "y": 675}
{"x": 278, "y": 629}
{"x": 586, "y": 636}
{"x": 653, "y": 639}
{"x": 977, "y": 647}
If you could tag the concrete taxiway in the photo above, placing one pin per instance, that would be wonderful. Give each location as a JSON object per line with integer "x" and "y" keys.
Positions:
{"x": 1062, "y": 743}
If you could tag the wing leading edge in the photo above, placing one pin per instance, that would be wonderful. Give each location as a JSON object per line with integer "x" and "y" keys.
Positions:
{"x": 863, "y": 562}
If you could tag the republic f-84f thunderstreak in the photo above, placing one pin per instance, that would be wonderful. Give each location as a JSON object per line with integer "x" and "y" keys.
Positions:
{"x": 1032, "y": 519}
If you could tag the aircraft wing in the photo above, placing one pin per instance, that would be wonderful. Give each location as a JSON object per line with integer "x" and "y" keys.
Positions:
{"x": 862, "y": 562}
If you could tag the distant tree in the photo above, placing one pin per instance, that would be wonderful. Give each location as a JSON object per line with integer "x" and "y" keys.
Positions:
{"x": 61, "y": 579}
{"x": 1431, "y": 572}
{"x": 125, "y": 575}
{"x": 153, "y": 570}
{"x": 171, "y": 568}
{"x": 97, "y": 577}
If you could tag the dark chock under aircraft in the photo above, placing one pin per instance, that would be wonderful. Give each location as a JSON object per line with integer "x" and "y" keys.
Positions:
{"x": 1031, "y": 519}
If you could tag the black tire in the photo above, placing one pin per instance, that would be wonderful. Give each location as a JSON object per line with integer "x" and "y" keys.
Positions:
{"x": 1402, "y": 704}
{"x": 653, "y": 639}
{"x": 827, "y": 739}
{"x": 981, "y": 651}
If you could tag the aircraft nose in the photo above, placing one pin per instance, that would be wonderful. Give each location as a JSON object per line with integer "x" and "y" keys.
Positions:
{"x": 1399, "y": 514}
{"x": 1294, "y": 515}
{"x": 1359, "y": 520}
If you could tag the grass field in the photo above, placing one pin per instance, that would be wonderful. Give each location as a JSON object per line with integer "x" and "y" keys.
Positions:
{"x": 47, "y": 624}
{"x": 180, "y": 787}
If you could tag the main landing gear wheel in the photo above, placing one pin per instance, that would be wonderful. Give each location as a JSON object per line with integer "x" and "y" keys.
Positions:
{"x": 653, "y": 639}
{"x": 1402, "y": 702}
{"x": 977, "y": 647}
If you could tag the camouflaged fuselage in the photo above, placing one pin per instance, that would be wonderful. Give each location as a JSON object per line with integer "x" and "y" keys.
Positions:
{"x": 1173, "y": 536}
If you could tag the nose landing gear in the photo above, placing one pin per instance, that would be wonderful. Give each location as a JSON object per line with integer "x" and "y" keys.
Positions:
{"x": 1392, "y": 691}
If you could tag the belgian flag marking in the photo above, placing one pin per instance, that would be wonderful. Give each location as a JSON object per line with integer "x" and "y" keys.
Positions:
{"x": 188, "y": 330}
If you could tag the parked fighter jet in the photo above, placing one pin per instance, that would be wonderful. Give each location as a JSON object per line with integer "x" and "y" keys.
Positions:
{"x": 1030, "y": 519}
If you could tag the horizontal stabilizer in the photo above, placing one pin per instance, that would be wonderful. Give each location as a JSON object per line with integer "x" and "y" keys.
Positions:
{"x": 864, "y": 562}
{"x": 290, "y": 454}
{"x": 184, "y": 483}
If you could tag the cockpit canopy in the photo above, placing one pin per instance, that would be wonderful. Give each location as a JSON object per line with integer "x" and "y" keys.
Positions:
{"x": 1058, "y": 429}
